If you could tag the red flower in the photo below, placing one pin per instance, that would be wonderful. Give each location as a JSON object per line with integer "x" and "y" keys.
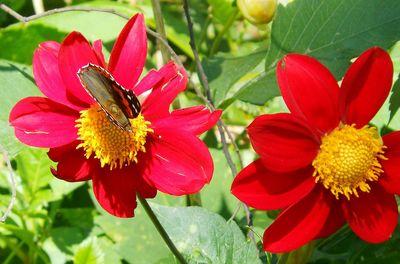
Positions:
{"x": 322, "y": 164}
{"x": 163, "y": 153}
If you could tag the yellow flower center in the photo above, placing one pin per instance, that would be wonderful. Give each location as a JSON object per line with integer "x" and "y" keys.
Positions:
{"x": 348, "y": 160}
{"x": 109, "y": 143}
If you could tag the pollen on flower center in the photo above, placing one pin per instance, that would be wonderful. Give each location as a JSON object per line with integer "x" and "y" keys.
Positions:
{"x": 110, "y": 144}
{"x": 349, "y": 159}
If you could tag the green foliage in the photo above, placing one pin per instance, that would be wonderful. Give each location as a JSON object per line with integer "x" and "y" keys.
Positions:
{"x": 223, "y": 71}
{"x": 208, "y": 238}
{"x": 16, "y": 83}
{"x": 394, "y": 99}
{"x": 89, "y": 253}
{"x": 60, "y": 222}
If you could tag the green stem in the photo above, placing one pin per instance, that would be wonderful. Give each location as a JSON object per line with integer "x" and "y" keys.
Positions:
{"x": 161, "y": 230}
{"x": 160, "y": 28}
{"x": 227, "y": 25}
{"x": 193, "y": 199}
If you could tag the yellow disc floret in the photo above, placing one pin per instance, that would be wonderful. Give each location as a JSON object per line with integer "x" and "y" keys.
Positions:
{"x": 109, "y": 143}
{"x": 348, "y": 159}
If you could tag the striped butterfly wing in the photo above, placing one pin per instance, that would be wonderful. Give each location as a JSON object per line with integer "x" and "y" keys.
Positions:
{"x": 118, "y": 103}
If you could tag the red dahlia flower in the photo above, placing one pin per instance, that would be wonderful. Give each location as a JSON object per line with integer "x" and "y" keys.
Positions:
{"x": 162, "y": 153}
{"x": 322, "y": 164}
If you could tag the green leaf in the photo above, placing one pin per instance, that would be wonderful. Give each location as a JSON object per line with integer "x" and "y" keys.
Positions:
{"x": 16, "y": 82}
{"x": 134, "y": 237}
{"x": 89, "y": 253}
{"x": 259, "y": 90}
{"x": 223, "y": 71}
{"x": 33, "y": 166}
{"x": 205, "y": 237}
{"x": 18, "y": 42}
{"x": 333, "y": 31}
{"x": 394, "y": 101}
{"x": 66, "y": 238}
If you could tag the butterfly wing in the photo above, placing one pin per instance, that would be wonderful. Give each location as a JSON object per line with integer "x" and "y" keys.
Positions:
{"x": 106, "y": 91}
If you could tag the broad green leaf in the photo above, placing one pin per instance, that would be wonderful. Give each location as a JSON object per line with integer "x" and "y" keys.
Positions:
{"x": 66, "y": 238}
{"x": 134, "y": 237}
{"x": 259, "y": 90}
{"x": 89, "y": 252}
{"x": 18, "y": 41}
{"x": 223, "y": 71}
{"x": 205, "y": 237}
{"x": 333, "y": 31}
{"x": 16, "y": 82}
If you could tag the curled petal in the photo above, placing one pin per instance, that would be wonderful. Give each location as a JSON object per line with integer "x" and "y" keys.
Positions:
{"x": 40, "y": 122}
{"x": 263, "y": 189}
{"x": 156, "y": 105}
{"x": 310, "y": 91}
{"x": 76, "y": 52}
{"x": 156, "y": 78}
{"x": 47, "y": 74}
{"x": 390, "y": 179}
{"x": 372, "y": 216}
{"x": 196, "y": 120}
{"x": 283, "y": 141}
{"x": 72, "y": 165}
{"x": 128, "y": 55}
{"x": 176, "y": 162}
{"x": 365, "y": 87}
{"x": 299, "y": 223}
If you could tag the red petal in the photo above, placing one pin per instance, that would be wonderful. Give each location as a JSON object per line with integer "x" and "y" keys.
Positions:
{"x": 283, "y": 141}
{"x": 72, "y": 165}
{"x": 98, "y": 50}
{"x": 47, "y": 74}
{"x": 298, "y": 224}
{"x": 116, "y": 190}
{"x": 76, "y": 52}
{"x": 390, "y": 180}
{"x": 334, "y": 221}
{"x": 263, "y": 189}
{"x": 128, "y": 55}
{"x": 40, "y": 122}
{"x": 156, "y": 105}
{"x": 196, "y": 120}
{"x": 372, "y": 216}
{"x": 156, "y": 78}
{"x": 310, "y": 91}
{"x": 176, "y": 162}
{"x": 365, "y": 87}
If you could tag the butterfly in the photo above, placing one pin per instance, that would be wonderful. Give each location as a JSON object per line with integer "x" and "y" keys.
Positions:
{"x": 118, "y": 103}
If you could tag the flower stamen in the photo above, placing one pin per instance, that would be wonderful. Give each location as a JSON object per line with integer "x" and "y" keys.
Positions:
{"x": 348, "y": 159}
{"x": 110, "y": 144}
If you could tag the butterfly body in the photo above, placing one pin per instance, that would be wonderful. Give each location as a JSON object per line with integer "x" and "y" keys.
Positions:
{"x": 118, "y": 103}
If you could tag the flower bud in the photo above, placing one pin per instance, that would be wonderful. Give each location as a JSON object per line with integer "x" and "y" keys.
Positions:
{"x": 257, "y": 11}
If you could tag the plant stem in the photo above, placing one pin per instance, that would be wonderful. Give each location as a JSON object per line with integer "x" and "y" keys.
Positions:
{"x": 209, "y": 101}
{"x": 160, "y": 28}
{"x": 161, "y": 230}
